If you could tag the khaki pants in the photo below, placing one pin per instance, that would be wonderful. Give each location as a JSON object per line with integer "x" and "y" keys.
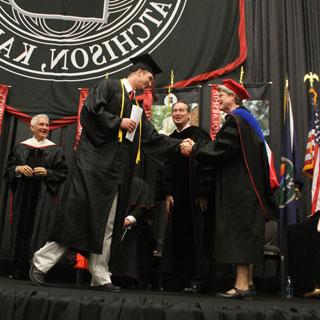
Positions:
{"x": 46, "y": 257}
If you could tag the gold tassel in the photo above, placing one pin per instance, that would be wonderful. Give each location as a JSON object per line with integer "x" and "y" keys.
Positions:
{"x": 121, "y": 112}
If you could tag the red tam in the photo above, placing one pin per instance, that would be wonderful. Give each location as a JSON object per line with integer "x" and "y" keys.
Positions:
{"x": 237, "y": 88}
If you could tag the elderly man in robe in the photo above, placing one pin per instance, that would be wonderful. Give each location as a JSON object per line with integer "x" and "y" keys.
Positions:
{"x": 35, "y": 171}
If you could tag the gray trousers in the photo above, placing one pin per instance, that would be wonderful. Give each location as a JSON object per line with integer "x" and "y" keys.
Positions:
{"x": 47, "y": 256}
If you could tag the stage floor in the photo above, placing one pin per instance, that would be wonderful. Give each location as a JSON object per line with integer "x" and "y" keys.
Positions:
{"x": 21, "y": 300}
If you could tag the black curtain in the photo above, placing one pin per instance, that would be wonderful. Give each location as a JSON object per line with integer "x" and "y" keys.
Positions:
{"x": 283, "y": 41}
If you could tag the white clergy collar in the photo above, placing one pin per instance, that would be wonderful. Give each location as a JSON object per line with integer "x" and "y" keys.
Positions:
{"x": 33, "y": 142}
{"x": 185, "y": 127}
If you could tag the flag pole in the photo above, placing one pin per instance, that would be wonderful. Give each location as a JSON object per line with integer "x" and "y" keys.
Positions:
{"x": 241, "y": 75}
{"x": 170, "y": 88}
{"x": 311, "y": 77}
{"x": 286, "y": 88}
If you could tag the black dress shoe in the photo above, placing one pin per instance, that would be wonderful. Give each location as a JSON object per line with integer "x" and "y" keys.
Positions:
{"x": 238, "y": 294}
{"x": 253, "y": 289}
{"x": 109, "y": 287}
{"x": 36, "y": 276}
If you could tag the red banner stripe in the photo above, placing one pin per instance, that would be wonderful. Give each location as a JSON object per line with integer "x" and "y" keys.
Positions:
{"x": 229, "y": 67}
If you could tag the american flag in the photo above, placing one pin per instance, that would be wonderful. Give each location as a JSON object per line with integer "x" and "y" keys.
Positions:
{"x": 309, "y": 163}
{"x": 312, "y": 157}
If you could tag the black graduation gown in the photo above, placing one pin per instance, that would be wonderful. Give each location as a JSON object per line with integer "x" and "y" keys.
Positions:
{"x": 104, "y": 167}
{"x": 34, "y": 198}
{"x": 239, "y": 214}
{"x": 187, "y": 242}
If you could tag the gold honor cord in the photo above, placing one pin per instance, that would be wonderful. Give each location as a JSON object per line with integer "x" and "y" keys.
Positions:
{"x": 138, "y": 157}
{"x": 121, "y": 112}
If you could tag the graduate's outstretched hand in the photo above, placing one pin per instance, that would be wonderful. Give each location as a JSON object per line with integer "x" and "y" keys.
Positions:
{"x": 128, "y": 124}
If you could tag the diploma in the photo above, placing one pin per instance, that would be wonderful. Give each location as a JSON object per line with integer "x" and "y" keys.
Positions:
{"x": 136, "y": 113}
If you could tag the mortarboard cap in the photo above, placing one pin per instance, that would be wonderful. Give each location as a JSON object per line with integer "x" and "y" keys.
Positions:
{"x": 145, "y": 62}
{"x": 236, "y": 87}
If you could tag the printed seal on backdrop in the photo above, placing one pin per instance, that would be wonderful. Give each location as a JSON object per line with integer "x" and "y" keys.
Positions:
{"x": 95, "y": 38}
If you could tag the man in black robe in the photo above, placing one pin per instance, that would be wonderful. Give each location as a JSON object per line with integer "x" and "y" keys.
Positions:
{"x": 186, "y": 254}
{"x": 242, "y": 192}
{"x": 36, "y": 169}
{"x": 92, "y": 215}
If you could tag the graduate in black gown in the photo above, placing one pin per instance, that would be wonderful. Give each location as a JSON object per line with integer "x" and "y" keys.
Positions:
{"x": 96, "y": 198}
{"x": 36, "y": 169}
{"x": 242, "y": 189}
{"x": 186, "y": 183}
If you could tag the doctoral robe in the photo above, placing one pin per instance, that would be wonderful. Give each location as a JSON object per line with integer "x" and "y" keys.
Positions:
{"x": 34, "y": 198}
{"x": 242, "y": 193}
{"x": 187, "y": 241}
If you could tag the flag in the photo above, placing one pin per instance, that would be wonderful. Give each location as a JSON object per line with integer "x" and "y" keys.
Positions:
{"x": 308, "y": 166}
{"x": 312, "y": 158}
{"x": 290, "y": 178}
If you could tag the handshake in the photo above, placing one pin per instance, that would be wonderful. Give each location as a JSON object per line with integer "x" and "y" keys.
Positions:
{"x": 186, "y": 147}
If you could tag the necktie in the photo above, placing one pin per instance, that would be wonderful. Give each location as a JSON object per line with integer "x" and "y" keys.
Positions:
{"x": 131, "y": 95}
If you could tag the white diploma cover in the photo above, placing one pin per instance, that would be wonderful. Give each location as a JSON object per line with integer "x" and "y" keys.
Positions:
{"x": 136, "y": 113}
